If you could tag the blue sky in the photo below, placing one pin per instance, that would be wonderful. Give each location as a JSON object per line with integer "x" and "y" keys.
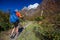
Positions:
{"x": 16, "y": 4}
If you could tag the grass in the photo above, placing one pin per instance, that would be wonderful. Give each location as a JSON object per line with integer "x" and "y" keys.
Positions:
{"x": 4, "y": 35}
{"x": 37, "y": 31}
{"x": 28, "y": 33}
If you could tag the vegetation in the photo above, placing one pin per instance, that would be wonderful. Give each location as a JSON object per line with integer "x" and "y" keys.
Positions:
{"x": 48, "y": 29}
{"x": 39, "y": 18}
{"x": 4, "y": 21}
{"x": 40, "y": 32}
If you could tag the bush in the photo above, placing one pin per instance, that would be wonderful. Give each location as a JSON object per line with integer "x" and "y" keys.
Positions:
{"x": 4, "y": 21}
{"x": 39, "y": 18}
{"x": 47, "y": 33}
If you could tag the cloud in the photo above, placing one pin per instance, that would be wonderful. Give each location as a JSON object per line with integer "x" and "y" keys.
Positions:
{"x": 34, "y": 6}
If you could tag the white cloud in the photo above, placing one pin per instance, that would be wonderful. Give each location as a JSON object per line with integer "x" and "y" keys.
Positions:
{"x": 34, "y": 6}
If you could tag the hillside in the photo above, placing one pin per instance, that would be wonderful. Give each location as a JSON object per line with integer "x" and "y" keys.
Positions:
{"x": 49, "y": 7}
{"x": 45, "y": 20}
{"x": 39, "y": 32}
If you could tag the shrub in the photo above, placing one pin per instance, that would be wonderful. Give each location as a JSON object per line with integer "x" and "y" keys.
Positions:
{"x": 39, "y": 18}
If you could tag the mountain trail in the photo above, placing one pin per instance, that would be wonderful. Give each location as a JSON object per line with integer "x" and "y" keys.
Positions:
{"x": 29, "y": 23}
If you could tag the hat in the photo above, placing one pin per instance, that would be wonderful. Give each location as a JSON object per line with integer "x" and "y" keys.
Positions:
{"x": 16, "y": 10}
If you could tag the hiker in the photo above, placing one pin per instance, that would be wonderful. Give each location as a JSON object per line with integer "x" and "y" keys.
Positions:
{"x": 14, "y": 19}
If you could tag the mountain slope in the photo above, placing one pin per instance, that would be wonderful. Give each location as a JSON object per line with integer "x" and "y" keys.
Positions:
{"x": 50, "y": 7}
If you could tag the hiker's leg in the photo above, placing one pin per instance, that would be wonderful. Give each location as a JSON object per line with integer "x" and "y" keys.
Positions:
{"x": 13, "y": 30}
{"x": 16, "y": 30}
{"x": 16, "y": 26}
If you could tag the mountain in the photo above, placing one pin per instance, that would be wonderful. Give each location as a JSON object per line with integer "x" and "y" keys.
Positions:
{"x": 50, "y": 5}
{"x": 30, "y": 13}
{"x": 49, "y": 8}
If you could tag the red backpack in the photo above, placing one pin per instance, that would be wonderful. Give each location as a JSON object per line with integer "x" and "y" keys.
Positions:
{"x": 18, "y": 14}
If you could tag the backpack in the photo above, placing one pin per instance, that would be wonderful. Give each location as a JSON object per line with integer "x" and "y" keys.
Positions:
{"x": 18, "y": 14}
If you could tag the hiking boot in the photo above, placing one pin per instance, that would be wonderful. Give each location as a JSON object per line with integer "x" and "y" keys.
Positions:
{"x": 13, "y": 36}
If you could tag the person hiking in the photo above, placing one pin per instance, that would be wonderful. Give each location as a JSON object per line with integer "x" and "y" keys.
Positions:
{"x": 14, "y": 19}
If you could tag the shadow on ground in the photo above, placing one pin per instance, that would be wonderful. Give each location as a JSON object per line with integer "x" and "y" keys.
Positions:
{"x": 20, "y": 30}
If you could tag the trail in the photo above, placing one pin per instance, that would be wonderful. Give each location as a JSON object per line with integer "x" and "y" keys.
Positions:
{"x": 29, "y": 23}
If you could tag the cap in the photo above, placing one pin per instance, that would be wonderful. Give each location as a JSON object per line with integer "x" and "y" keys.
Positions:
{"x": 16, "y": 10}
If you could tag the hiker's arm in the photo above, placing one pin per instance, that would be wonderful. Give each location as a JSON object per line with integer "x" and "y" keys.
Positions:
{"x": 22, "y": 16}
